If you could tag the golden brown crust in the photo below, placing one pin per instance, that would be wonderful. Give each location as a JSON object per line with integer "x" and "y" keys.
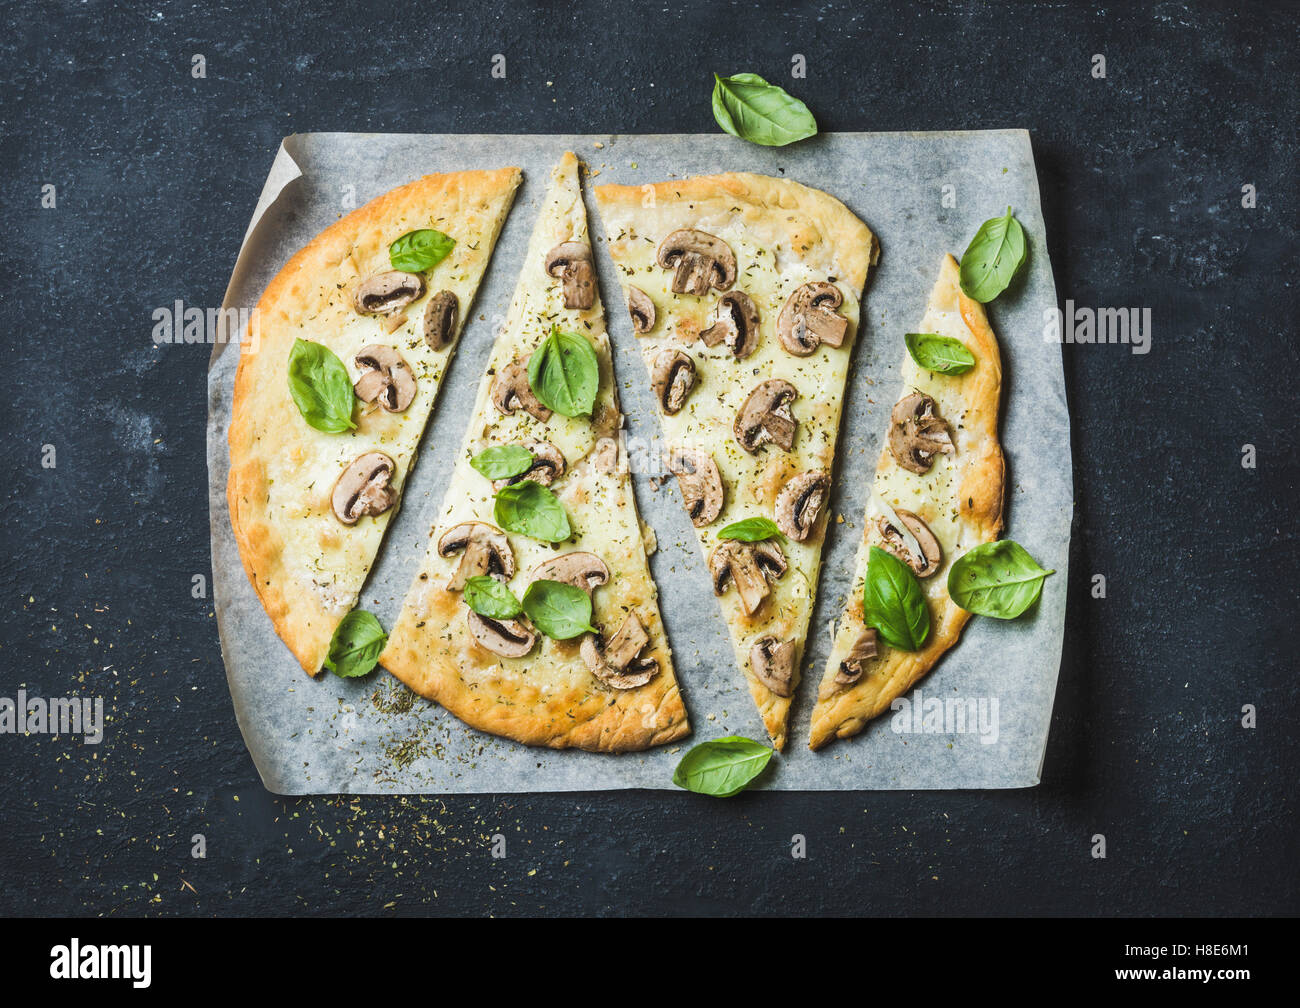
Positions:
{"x": 843, "y": 712}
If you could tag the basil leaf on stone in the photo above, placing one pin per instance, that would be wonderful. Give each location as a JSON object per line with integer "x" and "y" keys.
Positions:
{"x": 748, "y": 107}
{"x": 489, "y": 597}
{"x": 356, "y": 644}
{"x": 530, "y": 509}
{"x": 722, "y": 767}
{"x": 320, "y": 387}
{"x": 939, "y": 353}
{"x": 998, "y": 579}
{"x": 559, "y": 610}
{"x": 564, "y": 373}
{"x": 893, "y": 603}
{"x": 993, "y": 258}
{"x": 417, "y": 251}
{"x": 502, "y": 462}
{"x": 751, "y": 530}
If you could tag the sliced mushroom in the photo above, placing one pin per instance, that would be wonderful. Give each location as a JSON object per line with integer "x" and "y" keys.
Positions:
{"x": 440, "y": 316}
{"x": 582, "y": 570}
{"x": 363, "y": 488}
{"x": 701, "y": 482}
{"x": 917, "y": 433}
{"x": 386, "y": 378}
{"x": 619, "y": 664}
{"x": 748, "y": 565}
{"x": 772, "y": 661}
{"x": 547, "y": 465}
{"x": 765, "y": 416}
{"x": 486, "y": 551}
{"x": 512, "y": 638}
{"x": 571, "y": 262}
{"x": 511, "y": 391}
{"x": 809, "y": 318}
{"x": 891, "y": 540}
{"x": 387, "y": 293}
{"x": 641, "y": 308}
{"x": 672, "y": 379}
{"x": 852, "y": 667}
{"x": 699, "y": 261}
{"x": 800, "y": 502}
{"x": 735, "y": 323}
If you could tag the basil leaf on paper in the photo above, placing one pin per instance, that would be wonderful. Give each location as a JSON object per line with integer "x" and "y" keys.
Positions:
{"x": 722, "y": 767}
{"x": 939, "y": 353}
{"x": 530, "y": 509}
{"x": 993, "y": 258}
{"x": 561, "y": 611}
{"x": 356, "y": 644}
{"x": 893, "y": 603}
{"x": 502, "y": 462}
{"x": 564, "y": 373}
{"x": 320, "y": 387}
{"x": 998, "y": 579}
{"x": 489, "y": 597}
{"x": 417, "y": 251}
{"x": 751, "y": 530}
{"x": 748, "y": 107}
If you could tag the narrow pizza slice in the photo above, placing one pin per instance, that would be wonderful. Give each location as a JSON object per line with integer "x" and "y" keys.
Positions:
{"x": 744, "y": 290}
{"x": 533, "y": 615}
{"x": 336, "y": 384}
{"x": 937, "y": 493}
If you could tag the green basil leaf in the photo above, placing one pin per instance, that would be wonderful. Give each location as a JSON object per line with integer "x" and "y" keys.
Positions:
{"x": 722, "y": 767}
{"x": 356, "y": 644}
{"x": 939, "y": 353}
{"x": 502, "y": 461}
{"x": 997, "y": 579}
{"x": 993, "y": 257}
{"x": 565, "y": 374}
{"x": 751, "y": 530}
{"x": 893, "y": 603}
{"x": 489, "y": 597}
{"x": 530, "y": 509}
{"x": 417, "y": 251}
{"x": 559, "y": 610}
{"x": 320, "y": 387}
{"x": 748, "y": 107}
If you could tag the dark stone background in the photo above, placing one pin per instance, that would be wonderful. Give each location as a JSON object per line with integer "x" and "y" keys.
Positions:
{"x": 1141, "y": 176}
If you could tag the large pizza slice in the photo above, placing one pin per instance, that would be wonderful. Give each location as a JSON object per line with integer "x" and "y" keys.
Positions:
{"x": 744, "y": 290}
{"x": 332, "y": 394}
{"x": 533, "y": 615}
{"x": 937, "y": 493}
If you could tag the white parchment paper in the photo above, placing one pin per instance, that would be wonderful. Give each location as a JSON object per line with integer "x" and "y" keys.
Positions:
{"x": 373, "y": 735}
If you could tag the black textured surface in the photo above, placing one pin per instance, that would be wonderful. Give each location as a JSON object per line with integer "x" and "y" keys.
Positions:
{"x": 1141, "y": 176}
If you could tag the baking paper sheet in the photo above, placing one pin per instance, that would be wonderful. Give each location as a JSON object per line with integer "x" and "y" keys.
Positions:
{"x": 373, "y": 735}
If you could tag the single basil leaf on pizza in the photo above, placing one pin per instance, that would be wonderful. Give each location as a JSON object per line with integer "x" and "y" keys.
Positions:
{"x": 561, "y": 611}
{"x": 892, "y": 602}
{"x": 320, "y": 387}
{"x": 998, "y": 579}
{"x": 532, "y": 510}
{"x": 939, "y": 353}
{"x": 502, "y": 461}
{"x": 355, "y": 646}
{"x": 489, "y": 597}
{"x": 564, "y": 374}
{"x": 751, "y": 530}
{"x": 417, "y": 251}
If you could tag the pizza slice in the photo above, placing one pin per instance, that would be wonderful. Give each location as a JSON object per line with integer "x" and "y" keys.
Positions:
{"x": 334, "y": 389}
{"x": 533, "y": 615}
{"x": 937, "y": 493}
{"x": 744, "y": 290}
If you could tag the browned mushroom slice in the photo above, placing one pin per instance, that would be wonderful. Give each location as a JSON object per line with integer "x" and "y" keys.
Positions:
{"x": 486, "y": 551}
{"x": 582, "y": 570}
{"x": 917, "y": 433}
{"x": 512, "y": 638}
{"x": 363, "y": 488}
{"x": 387, "y": 293}
{"x": 750, "y": 566}
{"x": 852, "y": 667}
{"x": 809, "y": 318}
{"x": 547, "y": 466}
{"x": 511, "y": 391}
{"x": 800, "y": 503}
{"x": 699, "y": 261}
{"x": 570, "y": 262}
{"x": 735, "y": 323}
{"x": 386, "y": 378}
{"x": 641, "y": 308}
{"x": 672, "y": 379}
{"x": 701, "y": 482}
{"x": 440, "y": 316}
{"x": 892, "y": 540}
{"x": 772, "y": 661}
{"x": 619, "y": 664}
{"x": 765, "y": 416}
